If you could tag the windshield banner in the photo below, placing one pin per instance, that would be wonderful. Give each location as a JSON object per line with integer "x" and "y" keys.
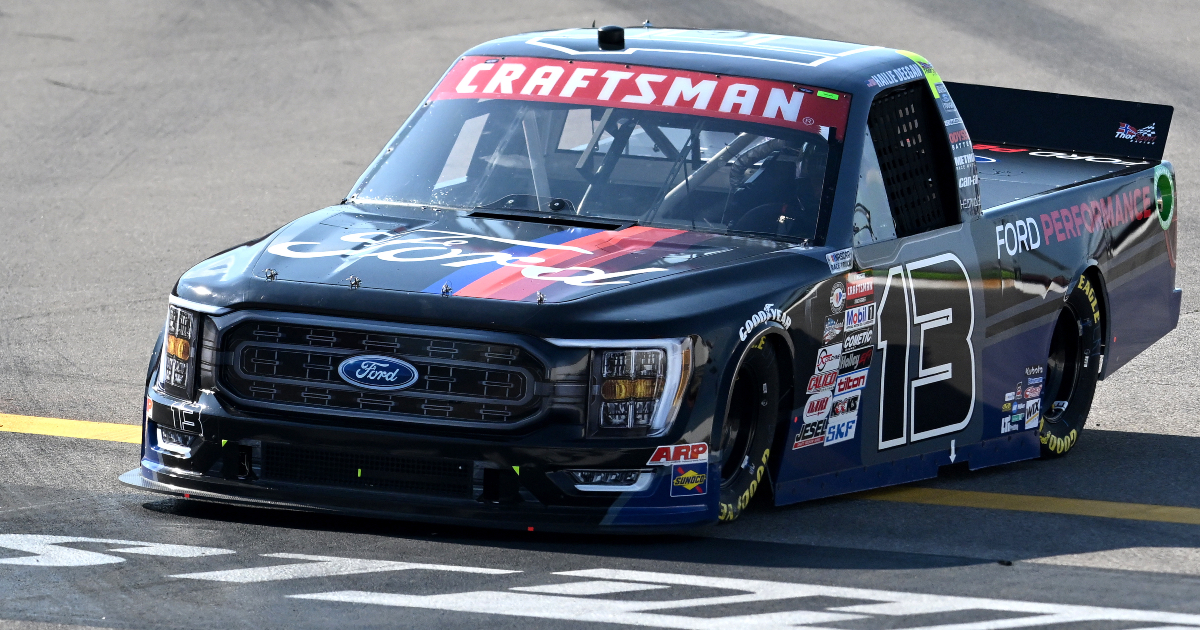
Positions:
{"x": 641, "y": 87}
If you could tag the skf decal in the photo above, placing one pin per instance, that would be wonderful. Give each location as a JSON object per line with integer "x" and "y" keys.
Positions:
{"x": 688, "y": 479}
{"x": 768, "y": 314}
{"x": 679, "y": 454}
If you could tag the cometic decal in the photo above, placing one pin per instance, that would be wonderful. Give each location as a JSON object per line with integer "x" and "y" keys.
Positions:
{"x": 645, "y": 88}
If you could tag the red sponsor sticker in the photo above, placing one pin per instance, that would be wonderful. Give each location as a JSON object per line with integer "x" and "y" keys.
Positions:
{"x": 820, "y": 382}
{"x": 647, "y": 88}
{"x": 679, "y": 454}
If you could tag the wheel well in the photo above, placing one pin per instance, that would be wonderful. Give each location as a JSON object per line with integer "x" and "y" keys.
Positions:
{"x": 787, "y": 381}
{"x": 1097, "y": 279}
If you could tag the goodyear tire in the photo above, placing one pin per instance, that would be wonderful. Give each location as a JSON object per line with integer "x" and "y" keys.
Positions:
{"x": 1072, "y": 369}
{"x": 749, "y": 428}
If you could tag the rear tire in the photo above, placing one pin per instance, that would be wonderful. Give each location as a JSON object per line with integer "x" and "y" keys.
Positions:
{"x": 1072, "y": 370}
{"x": 749, "y": 428}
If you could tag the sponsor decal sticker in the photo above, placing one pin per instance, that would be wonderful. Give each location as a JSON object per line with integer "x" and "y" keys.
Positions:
{"x": 1017, "y": 395}
{"x": 837, "y": 297}
{"x": 851, "y": 382}
{"x": 840, "y": 261}
{"x": 817, "y": 407}
{"x": 1145, "y": 135}
{"x": 1097, "y": 159}
{"x": 827, "y": 358}
{"x": 768, "y": 314}
{"x": 844, "y": 405}
{"x": 679, "y": 454}
{"x": 821, "y": 382}
{"x": 1017, "y": 236}
{"x": 377, "y": 372}
{"x": 856, "y": 360}
{"x": 1033, "y": 391}
{"x": 1033, "y": 370}
{"x": 1006, "y": 407}
{"x": 840, "y": 431}
{"x": 1009, "y": 396}
{"x": 810, "y": 433}
{"x": 833, "y": 328}
{"x": 689, "y": 480}
{"x": 860, "y": 286}
{"x": 646, "y": 88}
{"x": 1033, "y": 413}
{"x": 860, "y": 317}
{"x": 857, "y": 340}
{"x": 1033, "y": 380}
{"x": 1006, "y": 424}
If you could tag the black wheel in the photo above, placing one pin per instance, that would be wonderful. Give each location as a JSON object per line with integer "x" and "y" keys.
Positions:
{"x": 1072, "y": 370}
{"x": 744, "y": 445}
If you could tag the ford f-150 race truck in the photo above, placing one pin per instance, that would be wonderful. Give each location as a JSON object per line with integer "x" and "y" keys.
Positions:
{"x": 633, "y": 279}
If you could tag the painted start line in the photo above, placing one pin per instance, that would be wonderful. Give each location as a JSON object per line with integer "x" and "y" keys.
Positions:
{"x": 602, "y": 595}
{"x": 131, "y": 434}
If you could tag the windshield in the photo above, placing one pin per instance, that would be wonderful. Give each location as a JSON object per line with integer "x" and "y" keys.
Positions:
{"x": 577, "y": 159}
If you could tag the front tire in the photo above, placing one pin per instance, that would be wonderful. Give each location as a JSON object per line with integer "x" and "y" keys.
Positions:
{"x": 1072, "y": 370}
{"x": 749, "y": 428}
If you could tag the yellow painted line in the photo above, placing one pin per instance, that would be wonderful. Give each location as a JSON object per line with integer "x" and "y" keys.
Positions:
{"x": 108, "y": 431}
{"x": 1032, "y": 503}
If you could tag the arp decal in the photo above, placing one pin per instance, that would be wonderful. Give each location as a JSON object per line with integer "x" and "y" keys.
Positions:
{"x": 768, "y": 314}
{"x": 679, "y": 454}
{"x": 689, "y": 480}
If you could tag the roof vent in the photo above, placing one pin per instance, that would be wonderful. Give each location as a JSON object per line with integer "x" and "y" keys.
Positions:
{"x": 611, "y": 37}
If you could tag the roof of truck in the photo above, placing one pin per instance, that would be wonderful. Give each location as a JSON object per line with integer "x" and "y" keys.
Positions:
{"x": 851, "y": 68}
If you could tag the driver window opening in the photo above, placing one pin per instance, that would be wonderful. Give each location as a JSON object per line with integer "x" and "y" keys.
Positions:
{"x": 872, "y": 214}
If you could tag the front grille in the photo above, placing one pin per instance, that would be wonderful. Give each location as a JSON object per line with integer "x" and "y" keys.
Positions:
{"x": 294, "y": 366}
{"x": 326, "y": 467}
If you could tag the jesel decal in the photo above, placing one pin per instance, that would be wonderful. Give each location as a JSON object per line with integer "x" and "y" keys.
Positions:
{"x": 443, "y": 245}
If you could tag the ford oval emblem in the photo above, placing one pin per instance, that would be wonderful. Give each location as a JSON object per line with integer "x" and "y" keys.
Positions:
{"x": 377, "y": 372}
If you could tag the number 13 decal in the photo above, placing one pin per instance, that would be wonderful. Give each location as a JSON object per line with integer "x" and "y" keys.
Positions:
{"x": 926, "y": 311}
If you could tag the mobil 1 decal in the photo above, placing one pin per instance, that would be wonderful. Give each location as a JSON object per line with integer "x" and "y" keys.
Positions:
{"x": 924, "y": 347}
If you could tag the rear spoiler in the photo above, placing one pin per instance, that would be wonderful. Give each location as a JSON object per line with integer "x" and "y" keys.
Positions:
{"x": 1060, "y": 122}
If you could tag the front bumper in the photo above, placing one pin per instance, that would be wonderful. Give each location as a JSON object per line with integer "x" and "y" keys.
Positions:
{"x": 512, "y": 483}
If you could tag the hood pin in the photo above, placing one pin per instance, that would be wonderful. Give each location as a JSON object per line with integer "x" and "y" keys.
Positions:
{"x": 355, "y": 282}
{"x": 541, "y": 297}
{"x": 271, "y": 274}
{"x": 447, "y": 289}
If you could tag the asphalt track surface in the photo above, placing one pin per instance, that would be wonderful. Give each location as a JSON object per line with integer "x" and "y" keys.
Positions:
{"x": 136, "y": 138}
